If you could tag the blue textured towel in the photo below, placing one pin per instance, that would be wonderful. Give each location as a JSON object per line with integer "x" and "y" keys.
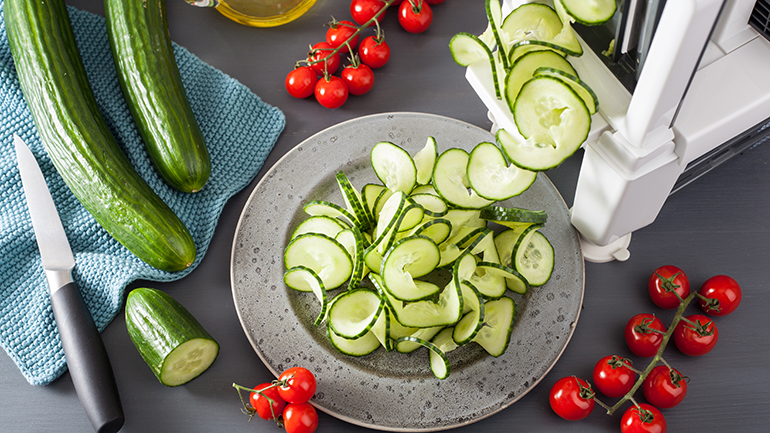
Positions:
{"x": 240, "y": 129}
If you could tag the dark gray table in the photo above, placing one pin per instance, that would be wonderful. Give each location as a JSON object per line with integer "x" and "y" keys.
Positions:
{"x": 717, "y": 225}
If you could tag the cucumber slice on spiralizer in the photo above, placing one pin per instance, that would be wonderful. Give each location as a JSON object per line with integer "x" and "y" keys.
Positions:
{"x": 524, "y": 68}
{"x": 468, "y": 49}
{"x": 171, "y": 341}
{"x": 589, "y": 12}
{"x": 491, "y": 176}
{"x": 304, "y": 279}
{"x": 579, "y": 86}
{"x": 495, "y": 17}
{"x": 394, "y": 167}
{"x": 450, "y": 179}
{"x": 537, "y": 21}
{"x": 522, "y": 47}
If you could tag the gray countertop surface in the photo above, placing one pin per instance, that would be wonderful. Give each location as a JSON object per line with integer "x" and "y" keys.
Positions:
{"x": 717, "y": 225}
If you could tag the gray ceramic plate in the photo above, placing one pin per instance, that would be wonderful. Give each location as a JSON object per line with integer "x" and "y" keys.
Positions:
{"x": 392, "y": 391}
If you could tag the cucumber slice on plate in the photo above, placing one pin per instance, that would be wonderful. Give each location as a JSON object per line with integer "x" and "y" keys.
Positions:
{"x": 450, "y": 179}
{"x": 491, "y": 176}
{"x": 533, "y": 256}
{"x": 425, "y": 160}
{"x": 473, "y": 320}
{"x": 579, "y": 86}
{"x": 513, "y": 216}
{"x": 513, "y": 280}
{"x": 410, "y": 258}
{"x": 352, "y": 313}
{"x": 355, "y": 244}
{"x": 319, "y": 224}
{"x": 321, "y": 207}
{"x": 360, "y": 346}
{"x": 524, "y": 68}
{"x": 324, "y": 255}
{"x": 589, "y": 12}
{"x": 500, "y": 316}
{"x": 427, "y": 313}
{"x": 553, "y": 120}
{"x": 439, "y": 363}
{"x": 171, "y": 341}
{"x": 304, "y": 279}
{"x": 394, "y": 167}
{"x": 353, "y": 202}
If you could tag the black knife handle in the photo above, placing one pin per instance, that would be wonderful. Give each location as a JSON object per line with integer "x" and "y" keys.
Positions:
{"x": 87, "y": 360}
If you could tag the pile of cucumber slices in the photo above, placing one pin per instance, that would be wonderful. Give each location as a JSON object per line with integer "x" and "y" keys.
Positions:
{"x": 528, "y": 54}
{"x": 425, "y": 257}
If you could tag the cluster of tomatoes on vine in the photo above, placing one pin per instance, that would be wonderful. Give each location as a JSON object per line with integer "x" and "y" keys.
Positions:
{"x": 663, "y": 386}
{"x": 315, "y": 74}
{"x": 285, "y": 400}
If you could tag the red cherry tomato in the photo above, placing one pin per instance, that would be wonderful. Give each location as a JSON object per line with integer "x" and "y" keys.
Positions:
{"x": 415, "y": 16}
{"x": 724, "y": 295}
{"x": 300, "y": 82}
{"x": 374, "y": 52}
{"x": 339, "y": 32}
{"x": 364, "y": 10}
{"x": 262, "y": 404}
{"x": 643, "y": 419}
{"x": 320, "y": 51}
{"x": 613, "y": 376}
{"x": 300, "y": 418}
{"x": 665, "y": 283}
{"x": 698, "y": 338}
{"x": 331, "y": 92}
{"x": 297, "y": 384}
{"x": 359, "y": 79}
{"x": 572, "y": 398}
{"x": 644, "y": 334}
{"x": 664, "y": 387}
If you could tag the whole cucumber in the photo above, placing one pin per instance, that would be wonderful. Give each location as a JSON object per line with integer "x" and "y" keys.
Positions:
{"x": 150, "y": 80}
{"x": 78, "y": 141}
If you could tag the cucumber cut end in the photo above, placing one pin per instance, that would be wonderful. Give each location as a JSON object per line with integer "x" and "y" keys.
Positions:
{"x": 188, "y": 361}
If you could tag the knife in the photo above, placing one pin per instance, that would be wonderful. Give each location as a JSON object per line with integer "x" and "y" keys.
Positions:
{"x": 87, "y": 359}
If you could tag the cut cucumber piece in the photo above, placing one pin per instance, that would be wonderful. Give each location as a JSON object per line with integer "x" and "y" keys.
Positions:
{"x": 467, "y": 49}
{"x": 495, "y": 17}
{"x": 437, "y": 230}
{"x": 304, "y": 279}
{"x": 319, "y": 224}
{"x": 473, "y": 320}
{"x": 439, "y": 363}
{"x": 387, "y": 221}
{"x": 425, "y": 160}
{"x": 324, "y": 255}
{"x": 360, "y": 346}
{"x": 537, "y": 21}
{"x": 579, "y": 86}
{"x": 589, "y": 12}
{"x": 513, "y": 279}
{"x": 512, "y": 217}
{"x": 355, "y": 244}
{"x": 427, "y": 313}
{"x": 433, "y": 205}
{"x": 369, "y": 195}
{"x": 171, "y": 341}
{"x": 410, "y": 258}
{"x": 404, "y": 346}
{"x": 524, "y": 68}
{"x": 450, "y": 179}
{"x": 490, "y": 284}
{"x": 533, "y": 257}
{"x": 353, "y": 313}
{"x": 491, "y": 176}
{"x": 353, "y": 201}
{"x": 394, "y": 167}
{"x": 523, "y": 47}
{"x": 500, "y": 316}
{"x": 321, "y": 207}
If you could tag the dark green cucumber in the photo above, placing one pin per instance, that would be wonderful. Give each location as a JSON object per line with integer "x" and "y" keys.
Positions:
{"x": 171, "y": 341}
{"x": 78, "y": 141}
{"x": 149, "y": 77}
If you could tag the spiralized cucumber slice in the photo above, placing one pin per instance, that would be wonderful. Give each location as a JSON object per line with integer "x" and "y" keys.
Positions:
{"x": 468, "y": 49}
{"x": 531, "y": 21}
{"x": 495, "y": 17}
{"x": 432, "y": 205}
{"x": 355, "y": 244}
{"x": 401, "y": 345}
{"x": 425, "y": 160}
{"x": 304, "y": 279}
{"x": 369, "y": 195}
{"x": 427, "y": 313}
{"x": 513, "y": 280}
{"x": 523, "y": 47}
{"x": 473, "y": 319}
{"x": 500, "y": 316}
{"x": 491, "y": 176}
{"x": 324, "y": 255}
{"x": 450, "y": 179}
{"x": 524, "y": 68}
{"x": 439, "y": 363}
{"x": 513, "y": 217}
{"x": 388, "y": 220}
{"x": 394, "y": 167}
{"x": 352, "y": 313}
{"x": 589, "y": 12}
{"x": 533, "y": 257}
{"x": 321, "y": 207}
{"x": 437, "y": 230}
{"x": 319, "y": 224}
{"x": 353, "y": 201}
{"x": 360, "y": 346}
{"x": 579, "y": 86}
{"x": 410, "y": 258}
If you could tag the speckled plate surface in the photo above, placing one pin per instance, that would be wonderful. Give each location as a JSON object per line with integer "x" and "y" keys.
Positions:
{"x": 392, "y": 391}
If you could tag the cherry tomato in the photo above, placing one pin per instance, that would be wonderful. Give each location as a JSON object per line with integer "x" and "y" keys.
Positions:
{"x": 665, "y": 283}
{"x": 339, "y": 32}
{"x": 297, "y": 384}
{"x": 572, "y": 398}
{"x": 697, "y": 339}
{"x": 643, "y": 419}
{"x": 415, "y": 16}
{"x": 300, "y": 82}
{"x": 359, "y": 78}
{"x": 644, "y": 334}
{"x": 664, "y": 387}
{"x": 374, "y": 52}
{"x": 300, "y": 418}
{"x": 262, "y": 404}
{"x": 320, "y": 51}
{"x": 724, "y": 295}
{"x": 613, "y": 376}
{"x": 364, "y": 10}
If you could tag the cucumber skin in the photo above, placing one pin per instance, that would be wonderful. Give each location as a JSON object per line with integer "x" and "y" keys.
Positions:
{"x": 158, "y": 324}
{"x": 151, "y": 84}
{"x": 78, "y": 141}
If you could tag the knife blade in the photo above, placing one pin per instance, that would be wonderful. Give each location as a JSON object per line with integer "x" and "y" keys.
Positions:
{"x": 87, "y": 359}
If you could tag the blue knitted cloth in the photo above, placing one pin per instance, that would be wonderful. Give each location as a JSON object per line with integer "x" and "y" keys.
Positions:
{"x": 240, "y": 129}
